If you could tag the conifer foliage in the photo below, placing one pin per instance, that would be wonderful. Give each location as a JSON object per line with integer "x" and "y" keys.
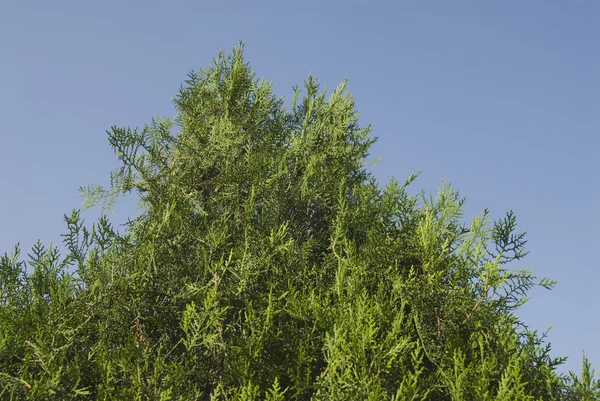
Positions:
{"x": 268, "y": 264}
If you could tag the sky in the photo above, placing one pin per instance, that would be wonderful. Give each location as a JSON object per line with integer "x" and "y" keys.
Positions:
{"x": 501, "y": 99}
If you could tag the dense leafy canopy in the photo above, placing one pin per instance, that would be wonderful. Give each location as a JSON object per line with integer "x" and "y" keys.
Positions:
{"x": 268, "y": 264}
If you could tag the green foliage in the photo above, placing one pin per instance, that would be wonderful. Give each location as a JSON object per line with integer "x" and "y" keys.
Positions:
{"x": 268, "y": 264}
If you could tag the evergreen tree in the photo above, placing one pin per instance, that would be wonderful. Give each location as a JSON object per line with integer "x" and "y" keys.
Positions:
{"x": 269, "y": 264}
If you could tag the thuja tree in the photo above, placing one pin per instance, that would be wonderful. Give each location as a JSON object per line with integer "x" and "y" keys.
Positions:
{"x": 268, "y": 264}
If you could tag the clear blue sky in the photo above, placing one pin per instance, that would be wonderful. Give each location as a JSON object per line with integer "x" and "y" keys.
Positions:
{"x": 501, "y": 98}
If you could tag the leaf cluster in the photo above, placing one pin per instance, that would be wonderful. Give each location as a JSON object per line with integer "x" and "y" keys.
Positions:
{"x": 268, "y": 264}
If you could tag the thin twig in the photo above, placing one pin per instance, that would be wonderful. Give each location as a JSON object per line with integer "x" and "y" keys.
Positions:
{"x": 25, "y": 383}
{"x": 37, "y": 353}
{"x": 220, "y": 331}
{"x": 479, "y": 301}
